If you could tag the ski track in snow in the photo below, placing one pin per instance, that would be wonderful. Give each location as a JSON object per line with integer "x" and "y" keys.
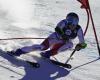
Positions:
{"x": 38, "y": 18}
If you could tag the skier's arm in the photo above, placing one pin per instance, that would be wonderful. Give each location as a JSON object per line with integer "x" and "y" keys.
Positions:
{"x": 81, "y": 44}
{"x": 59, "y": 27}
{"x": 61, "y": 33}
{"x": 59, "y": 30}
{"x": 80, "y": 36}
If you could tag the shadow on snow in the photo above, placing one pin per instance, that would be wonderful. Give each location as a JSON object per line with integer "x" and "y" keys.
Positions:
{"x": 47, "y": 70}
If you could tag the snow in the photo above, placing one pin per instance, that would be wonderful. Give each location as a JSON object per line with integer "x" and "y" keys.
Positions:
{"x": 38, "y": 18}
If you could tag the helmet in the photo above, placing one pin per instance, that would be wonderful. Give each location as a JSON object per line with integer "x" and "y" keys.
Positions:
{"x": 72, "y": 19}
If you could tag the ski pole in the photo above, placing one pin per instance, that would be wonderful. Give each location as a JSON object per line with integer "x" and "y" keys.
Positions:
{"x": 70, "y": 56}
{"x": 21, "y": 38}
{"x": 98, "y": 47}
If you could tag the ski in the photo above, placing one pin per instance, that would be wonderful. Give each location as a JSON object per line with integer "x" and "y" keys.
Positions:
{"x": 61, "y": 64}
{"x": 57, "y": 62}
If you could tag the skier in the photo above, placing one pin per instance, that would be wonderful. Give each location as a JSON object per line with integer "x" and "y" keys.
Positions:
{"x": 65, "y": 31}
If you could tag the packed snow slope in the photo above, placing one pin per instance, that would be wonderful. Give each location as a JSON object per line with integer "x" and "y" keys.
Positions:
{"x": 38, "y": 18}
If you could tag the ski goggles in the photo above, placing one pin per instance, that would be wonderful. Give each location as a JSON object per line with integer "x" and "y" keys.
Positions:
{"x": 72, "y": 21}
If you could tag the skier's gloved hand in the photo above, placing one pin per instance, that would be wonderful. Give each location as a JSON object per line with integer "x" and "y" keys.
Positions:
{"x": 80, "y": 46}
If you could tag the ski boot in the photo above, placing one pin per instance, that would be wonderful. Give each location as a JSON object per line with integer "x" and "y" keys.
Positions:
{"x": 18, "y": 52}
{"x": 46, "y": 54}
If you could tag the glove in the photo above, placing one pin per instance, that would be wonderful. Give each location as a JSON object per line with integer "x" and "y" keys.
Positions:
{"x": 80, "y": 46}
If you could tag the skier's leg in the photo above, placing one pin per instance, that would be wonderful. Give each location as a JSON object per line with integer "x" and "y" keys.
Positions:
{"x": 68, "y": 45}
{"x": 52, "y": 51}
{"x": 57, "y": 48}
{"x": 47, "y": 43}
{"x": 43, "y": 46}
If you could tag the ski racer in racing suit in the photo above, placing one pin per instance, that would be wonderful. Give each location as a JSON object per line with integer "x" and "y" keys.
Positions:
{"x": 65, "y": 31}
